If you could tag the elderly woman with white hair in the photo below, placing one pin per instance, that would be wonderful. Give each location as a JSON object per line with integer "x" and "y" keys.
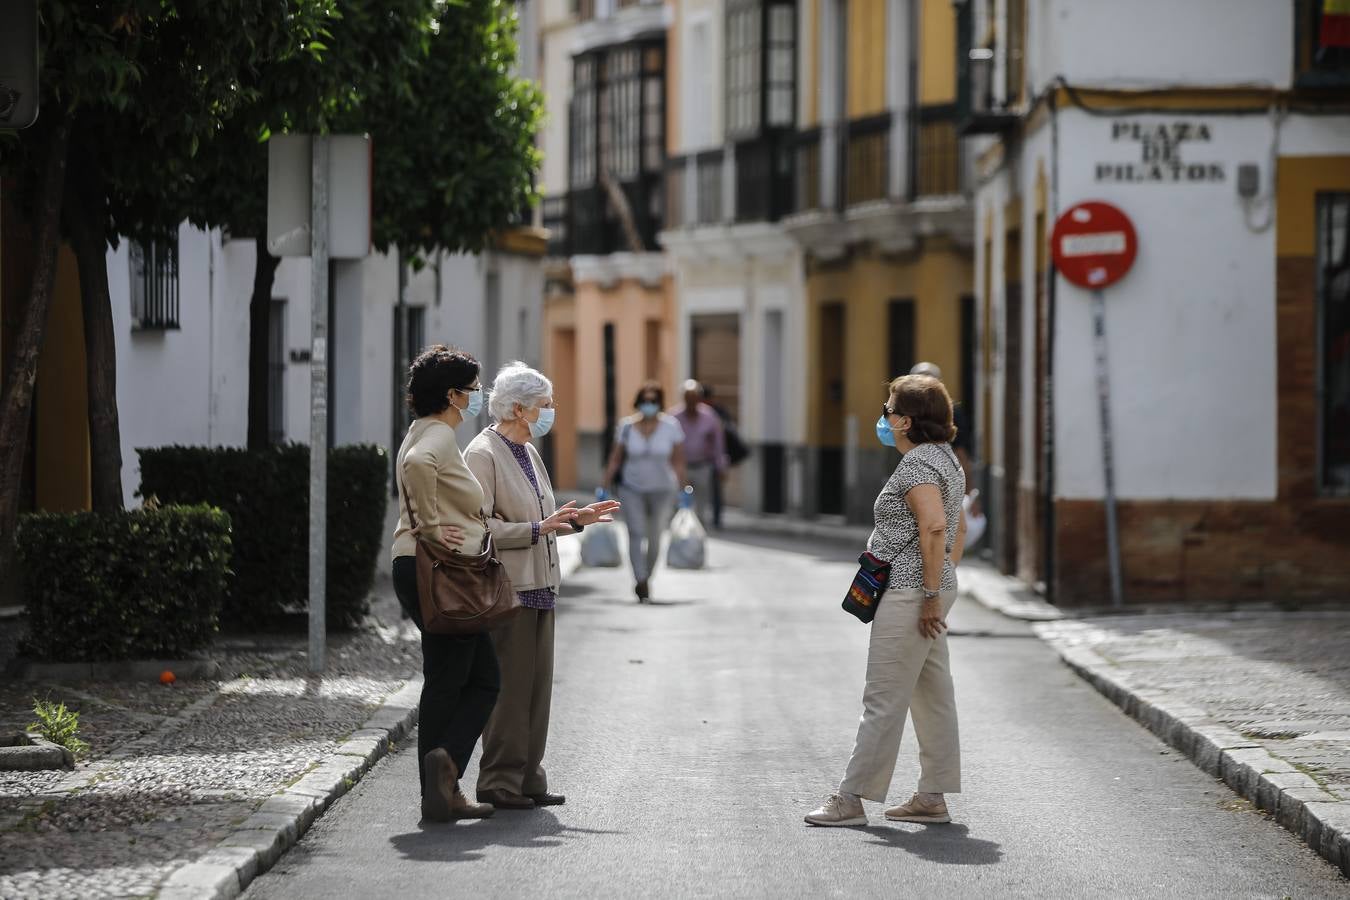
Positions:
{"x": 524, "y": 520}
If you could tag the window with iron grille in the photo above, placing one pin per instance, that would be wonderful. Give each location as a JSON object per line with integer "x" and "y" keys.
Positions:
{"x": 276, "y": 371}
{"x": 621, "y": 102}
{"x": 743, "y": 68}
{"x": 583, "y": 131}
{"x": 1333, "y": 332}
{"x": 618, "y": 114}
{"x": 154, "y": 285}
{"x": 761, "y": 79}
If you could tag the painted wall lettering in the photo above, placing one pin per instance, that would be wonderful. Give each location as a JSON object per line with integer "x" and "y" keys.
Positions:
{"x": 1160, "y": 154}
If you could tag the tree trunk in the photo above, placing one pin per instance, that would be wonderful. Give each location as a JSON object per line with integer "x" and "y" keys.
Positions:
{"x": 100, "y": 343}
{"x": 16, "y": 399}
{"x": 259, "y": 343}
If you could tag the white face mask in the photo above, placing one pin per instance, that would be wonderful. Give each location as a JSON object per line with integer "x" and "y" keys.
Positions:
{"x": 475, "y": 404}
{"x": 542, "y": 425}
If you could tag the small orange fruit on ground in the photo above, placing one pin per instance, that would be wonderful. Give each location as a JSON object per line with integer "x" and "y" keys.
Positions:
{"x": 167, "y": 677}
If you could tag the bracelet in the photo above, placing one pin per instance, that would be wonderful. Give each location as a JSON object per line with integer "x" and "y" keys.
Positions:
{"x": 931, "y": 595}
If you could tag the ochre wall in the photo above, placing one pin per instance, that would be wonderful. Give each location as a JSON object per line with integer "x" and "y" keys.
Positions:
{"x": 937, "y": 52}
{"x": 935, "y": 280}
{"x": 576, "y": 347}
{"x": 62, "y": 399}
{"x": 866, "y": 58}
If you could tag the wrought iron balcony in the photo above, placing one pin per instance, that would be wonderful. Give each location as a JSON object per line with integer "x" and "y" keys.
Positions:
{"x": 807, "y": 157}
{"x": 937, "y": 165}
{"x": 867, "y": 159}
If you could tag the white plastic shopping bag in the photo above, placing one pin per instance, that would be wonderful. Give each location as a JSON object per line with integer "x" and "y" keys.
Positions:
{"x": 600, "y": 546}
{"x": 687, "y": 540}
{"x": 975, "y": 524}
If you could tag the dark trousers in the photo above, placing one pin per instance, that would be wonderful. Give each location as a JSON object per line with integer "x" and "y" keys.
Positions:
{"x": 460, "y": 685}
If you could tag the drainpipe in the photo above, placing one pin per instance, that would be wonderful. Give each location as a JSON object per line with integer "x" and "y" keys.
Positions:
{"x": 1048, "y": 388}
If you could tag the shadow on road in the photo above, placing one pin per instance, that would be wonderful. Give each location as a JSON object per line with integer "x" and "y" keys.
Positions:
{"x": 466, "y": 841}
{"x": 945, "y": 844}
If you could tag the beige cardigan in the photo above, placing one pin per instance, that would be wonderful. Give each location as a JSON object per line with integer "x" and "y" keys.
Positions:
{"x": 431, "y": 474}
{"x": 511, "y": 505}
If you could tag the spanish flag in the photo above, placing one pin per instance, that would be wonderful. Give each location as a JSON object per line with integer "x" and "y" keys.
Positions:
{"x": 1335, "y": 30}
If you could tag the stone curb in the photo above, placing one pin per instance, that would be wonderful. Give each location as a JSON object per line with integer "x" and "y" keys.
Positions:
{"x": 35, "y": 753}
{"x": 1292, "y": 798}
{"x": 256, "y": 845}
{"x": 990, "y": 589}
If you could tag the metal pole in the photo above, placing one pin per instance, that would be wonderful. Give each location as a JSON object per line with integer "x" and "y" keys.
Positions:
{"x": 1108, "y": 464}
{"x": 318, "y": 402}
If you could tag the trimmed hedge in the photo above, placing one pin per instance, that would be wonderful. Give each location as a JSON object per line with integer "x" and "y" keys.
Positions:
{"x": 266, "y": 493}
{"x": 142, "y": 584}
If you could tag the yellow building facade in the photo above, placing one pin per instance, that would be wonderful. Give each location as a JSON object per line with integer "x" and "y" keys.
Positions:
{"x": 885, "y": 226}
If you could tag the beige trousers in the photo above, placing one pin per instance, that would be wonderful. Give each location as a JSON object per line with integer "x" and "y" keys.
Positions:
{"x": 906, "y": 673}
{"x": 515, "y": 736}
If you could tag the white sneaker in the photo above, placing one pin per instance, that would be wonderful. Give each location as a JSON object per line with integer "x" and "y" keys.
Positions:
{"x": 838, "y": 812}
{"x": 916, "y": 810}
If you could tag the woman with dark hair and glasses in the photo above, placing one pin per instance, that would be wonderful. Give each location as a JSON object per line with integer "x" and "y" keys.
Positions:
{"x": 441, "y": 501}
{"x": 921, "y": 532}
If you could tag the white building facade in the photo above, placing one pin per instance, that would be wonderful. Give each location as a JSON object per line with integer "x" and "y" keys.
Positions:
{"x": 182, "y": 323}
{"x": 1216, "y": 127}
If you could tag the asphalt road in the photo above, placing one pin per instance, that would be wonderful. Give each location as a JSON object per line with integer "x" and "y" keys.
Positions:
{"x": 692, "y": 735}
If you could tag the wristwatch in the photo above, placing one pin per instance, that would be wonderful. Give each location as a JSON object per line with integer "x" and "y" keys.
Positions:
{"x": 931, "y": 595}
{"x": 577, "y": 527}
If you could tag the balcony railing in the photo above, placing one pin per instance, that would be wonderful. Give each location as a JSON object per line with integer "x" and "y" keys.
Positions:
{"x": 708, "y": 181}
{"x": 589, "y": 224}
{"x": 936, "y": 163}
{"x": 807, "y": 153}
{"x": 764, "y": 179}
{"x": 867, "y": 159}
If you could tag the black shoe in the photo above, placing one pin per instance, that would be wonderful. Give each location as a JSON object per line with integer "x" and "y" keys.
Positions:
{"x": 547, "y": 799}
{"x": 643, "y": 592}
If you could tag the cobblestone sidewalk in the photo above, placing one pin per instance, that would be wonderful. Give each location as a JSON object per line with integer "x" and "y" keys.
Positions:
{"x": 1235, "y": 689}
{"x": 173, "y": 769}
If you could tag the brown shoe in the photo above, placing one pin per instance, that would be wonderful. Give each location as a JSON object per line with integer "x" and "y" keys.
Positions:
{"x": 461, "y": 808}
{"x": 503, "y": 799}
{"x": 438, "y": 786}
{"x": 547, "y": 799}
{"x": 918, "y": 811}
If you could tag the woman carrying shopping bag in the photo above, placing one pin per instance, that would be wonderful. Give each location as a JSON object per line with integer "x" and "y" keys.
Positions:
{"x": 648, "y": 462}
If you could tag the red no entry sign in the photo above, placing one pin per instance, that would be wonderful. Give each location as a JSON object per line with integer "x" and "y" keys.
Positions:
{"x": 1093, "y": 244}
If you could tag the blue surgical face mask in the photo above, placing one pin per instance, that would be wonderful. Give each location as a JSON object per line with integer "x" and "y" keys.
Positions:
{"x": 542, "y": 425}
{"x": 884, "y": 432}
{"x": 475, "y": 404}
{"x": 648, "y": 410}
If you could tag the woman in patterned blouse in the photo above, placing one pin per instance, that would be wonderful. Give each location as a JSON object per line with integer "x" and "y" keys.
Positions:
{"x": 920, "y": 531}
{"x": 524, "y": 521}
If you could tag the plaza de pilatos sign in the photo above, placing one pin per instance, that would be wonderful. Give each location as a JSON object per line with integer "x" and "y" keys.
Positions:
{"x": 1161, "y": 148}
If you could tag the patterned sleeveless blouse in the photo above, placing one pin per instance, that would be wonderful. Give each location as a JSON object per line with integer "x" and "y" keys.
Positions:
{"x": 895, "y": 536}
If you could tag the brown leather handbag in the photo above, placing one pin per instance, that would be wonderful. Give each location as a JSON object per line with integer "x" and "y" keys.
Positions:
{"x": 461, "y": 594}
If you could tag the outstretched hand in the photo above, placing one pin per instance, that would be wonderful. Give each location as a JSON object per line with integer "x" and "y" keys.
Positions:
{"x": 598, "y": 512}
{"x": 562, "y": 518}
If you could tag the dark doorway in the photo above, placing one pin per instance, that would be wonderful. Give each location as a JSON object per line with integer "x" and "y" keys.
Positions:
{"x": 830, "y": 465}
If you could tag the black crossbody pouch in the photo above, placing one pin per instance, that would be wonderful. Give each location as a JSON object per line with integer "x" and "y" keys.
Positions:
{"x": 869, "y": 584}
